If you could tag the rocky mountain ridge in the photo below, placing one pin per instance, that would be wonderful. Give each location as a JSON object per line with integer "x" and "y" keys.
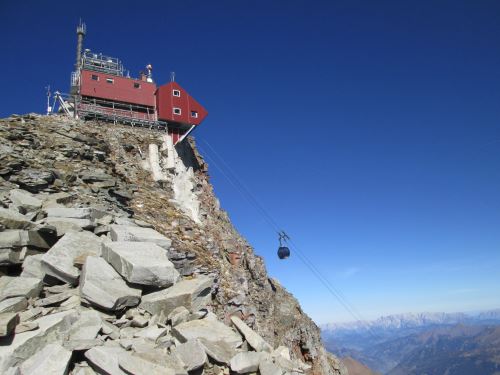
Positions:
{"x": 78, "y": 200}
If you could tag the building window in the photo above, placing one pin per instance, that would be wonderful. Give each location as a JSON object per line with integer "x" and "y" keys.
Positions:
{"x": 95, "y": 77}
{"x": 110, "y": 80}
{"x": 177, "y": 111}
{"x": 137, "y": 85}
{"x": 176, "y": 93}
{"x": 194, "y": 114}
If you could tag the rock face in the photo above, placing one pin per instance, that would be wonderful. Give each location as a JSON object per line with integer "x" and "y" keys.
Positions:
{"x": 84, "y": 209}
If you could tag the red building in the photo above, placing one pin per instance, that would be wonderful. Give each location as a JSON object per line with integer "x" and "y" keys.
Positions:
{"x": 101, "y": 91}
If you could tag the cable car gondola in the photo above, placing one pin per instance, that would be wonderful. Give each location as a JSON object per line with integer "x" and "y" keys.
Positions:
{"x": 283, "y": 251}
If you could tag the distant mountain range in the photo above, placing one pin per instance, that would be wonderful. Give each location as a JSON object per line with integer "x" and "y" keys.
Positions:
{"x": 423, "y": 343}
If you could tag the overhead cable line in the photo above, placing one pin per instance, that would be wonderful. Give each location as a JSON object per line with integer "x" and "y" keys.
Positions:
{"x": 233, "y": 179}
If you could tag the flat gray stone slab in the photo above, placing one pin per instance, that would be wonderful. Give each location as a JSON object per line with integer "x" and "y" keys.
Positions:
{"x": 268, "y": 367}
{"x": 32, "y": 266}
{"x": 102, "y": 286}
{"x": 74, "y": 213}
{"x": 143, "y": 263}
{"x": 138, "y": 234}
{"x": 14, "y": 238}
{"x": 220, "y": 351}
{"x": 65, "y": 225}
{"x": 211, "y": 330}
{"x": 252, "y": 337}
{"x": 52, "y": 359}
{"x": 245, "y": 362}
{"x": 14, "y": 220}
{"x": 135, "y": 364}
{"x": 25, "y": 200}
{"x": 13, "y": 305}
{"x": 59, "y": 260}
{"x": 192, "y": 354}
{"x": 8, "y": 322}
{"x": 24, "y": 345}
{"x": 105, "y": 359}
{"x": 19, "y": 287}
{"x": 192, "y": 294}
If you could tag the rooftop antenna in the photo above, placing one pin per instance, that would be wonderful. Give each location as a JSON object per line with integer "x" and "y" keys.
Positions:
{"x": 81, "y": 30}
{"x": 49, "y": 94}
{"x": 172, "y": 76}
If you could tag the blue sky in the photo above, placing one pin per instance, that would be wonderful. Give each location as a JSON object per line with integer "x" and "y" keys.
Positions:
{"x": 370, "y": 131}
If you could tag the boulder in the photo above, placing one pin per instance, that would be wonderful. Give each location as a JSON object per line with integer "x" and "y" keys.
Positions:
{"x": 64, "y": 225}
{"x": 178, "y": 315}
{"x": 211, "y": 330}
{"x": 42, "y": 237}
{"x": 253, "y": 338}
{"x": 8, "y": 322}
{"x": 105, "y": 359}
{"x": 268, "y": 367}
{"x": 192, "y": 354}
{"x": 13, "y": 305}
{"x": 135, "y": 364}
{"x": 13, "y": 238}
{"x": 26, "y": 201}
{"x": 32, "y": 267}
{"x": 192, "y": 294}
{"x": 52, "y": 359}
{"x": 67, "y": 212}
{"x": 138, "y": 234}
{"x": 59, "y": 260}
{"x": 14, "y": 220}
{"x": 102, "y": 286}
{"x": 24, "y": 345}
{"x": 19, "y": 287}
{"x": 11, "y": 256}
{"x": 245, "y": 362}
{"x": 220, "y": 351}
{"x": 142, "y": 263}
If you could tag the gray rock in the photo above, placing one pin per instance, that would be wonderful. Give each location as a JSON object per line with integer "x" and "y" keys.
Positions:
{"x": 8, "y": 322}
{"x": 11, "y": 256}
{"x": 138, "y": 234}
{"x": 178, "y": 315}
{"x": 142, "y": 263}
{"x": 82, "y": 344}
{"x": 42, "y": 237}
{"x": 105, "y": 359}
{"x": 52, "y": 359}
{"x": 220, "y": 351}
{"x": 192, "y": 294}
{"x": 64, "y": 225}
{"x": 281, "y": 351}
{"x": 152, "y": 333}
{"x": 267, "y": 367}
{"x": 19, "y": 287}
{"x": 245, "y": 362}
{"x": 13, "y": 305}
{"x": 14, "y": 220}
{"x": 192, "y": 354}
{"x": 24, "y": 345}
{"x": 252, "y": 337}
{"x": 13, "y": 238}
{"x": 66, "y": 212}
{"x": 25, "y": 200}
{"x": 102, "y": 286}
{"x": 135, "y": 364}
{"x": 28, "y": 326}
{"x": 32, "y": 267}
{"x": 59, "y": 260}
{"x": 206, "y": 329}
{"x": 54, "y": 299}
